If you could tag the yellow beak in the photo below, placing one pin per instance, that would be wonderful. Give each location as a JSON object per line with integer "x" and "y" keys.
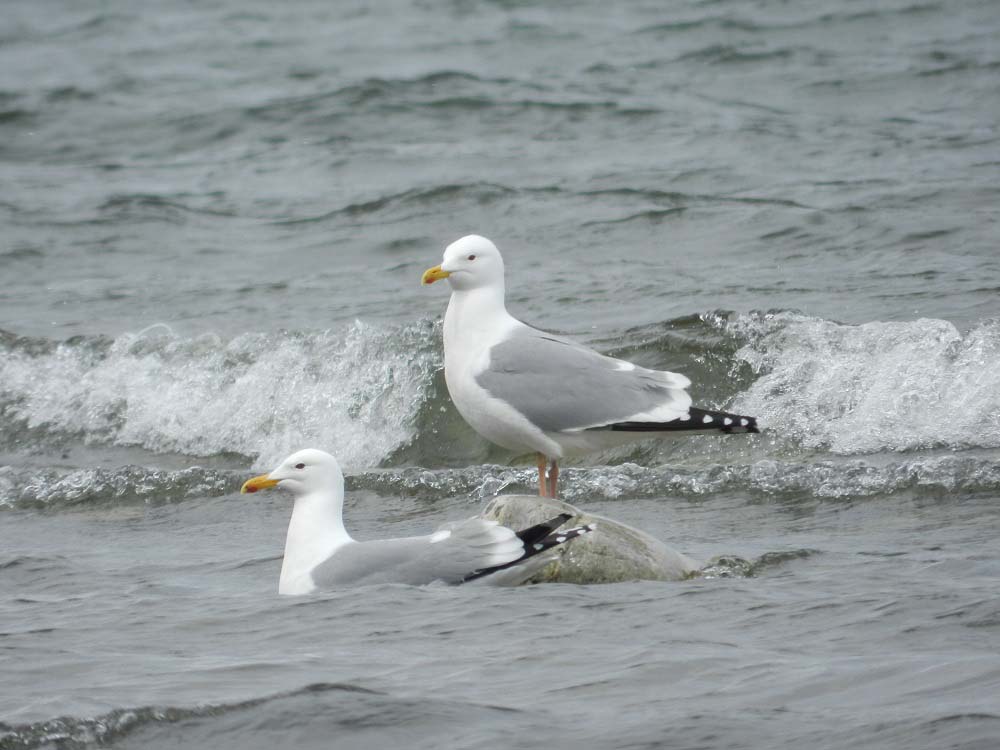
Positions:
{"x": 258, "y": 483}
{"x": 433, "y": 274}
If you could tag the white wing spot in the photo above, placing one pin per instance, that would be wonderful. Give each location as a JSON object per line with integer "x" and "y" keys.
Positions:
{"x": 743, "y": 423}
{"x": 560, "y": 539}
{"x": 707, "y": 419}
{"x": 539, "y": 547}
{"x": 727, "y": 421}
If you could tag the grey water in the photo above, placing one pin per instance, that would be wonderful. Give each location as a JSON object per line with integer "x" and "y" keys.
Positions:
{"x": 214, "y": 220}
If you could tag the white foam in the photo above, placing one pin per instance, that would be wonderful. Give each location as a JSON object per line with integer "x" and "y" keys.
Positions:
{"x": 836, "y": 477}
{"x": 354, "y": 393}
{"x": 873, "y": 387}
{"x": 52, "y": 488}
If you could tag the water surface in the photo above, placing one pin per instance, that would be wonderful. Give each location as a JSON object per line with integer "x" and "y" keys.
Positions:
{"x": 215, "y": 217}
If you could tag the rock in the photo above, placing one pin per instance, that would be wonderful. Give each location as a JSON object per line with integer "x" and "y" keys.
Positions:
{"x": 612, "y": 553}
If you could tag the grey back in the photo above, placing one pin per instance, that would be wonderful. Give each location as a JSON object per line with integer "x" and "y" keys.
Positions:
{"x": 560, "y": 385}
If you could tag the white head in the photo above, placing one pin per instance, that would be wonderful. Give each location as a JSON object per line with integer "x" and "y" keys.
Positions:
{"x": 302, "y": 473}
{"x": 316, "y": 528}
{"x": 469, "y": 263}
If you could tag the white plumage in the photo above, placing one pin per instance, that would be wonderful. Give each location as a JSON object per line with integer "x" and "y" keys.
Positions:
{"x": 319, "y": 553}
{"x": 531, "y": 391}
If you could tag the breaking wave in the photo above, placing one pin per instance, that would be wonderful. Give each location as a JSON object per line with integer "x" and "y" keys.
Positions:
{"x": 355, "y": 392}
{"x": 854, "y": 389}
{"x": 374, "y": 396}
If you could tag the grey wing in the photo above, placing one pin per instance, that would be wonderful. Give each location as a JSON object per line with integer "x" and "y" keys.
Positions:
{"x": 382, "y": 561}
{"x": 560, "y": 385}
{"x": 449, "y": 554}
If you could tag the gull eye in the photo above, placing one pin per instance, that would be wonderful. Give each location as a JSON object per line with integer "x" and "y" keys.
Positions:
{"x": 300, "y": 466}
{"x": 471, "y": 257}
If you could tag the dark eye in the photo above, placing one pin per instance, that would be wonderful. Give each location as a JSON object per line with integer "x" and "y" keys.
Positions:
{"x": 300, "y": 466}
{"x": 471, "y": 257}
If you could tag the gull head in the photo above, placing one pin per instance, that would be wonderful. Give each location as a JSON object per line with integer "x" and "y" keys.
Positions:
{"x": 303, "y": 472}
{"x": 469, "y": 263}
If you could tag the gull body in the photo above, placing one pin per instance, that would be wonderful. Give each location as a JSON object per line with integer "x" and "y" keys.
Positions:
{"x": 531, "y": 391}
{"x": 319, "y": 553}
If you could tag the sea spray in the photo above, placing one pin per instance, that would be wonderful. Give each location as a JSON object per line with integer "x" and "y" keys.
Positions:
{"x": 353, "y": 392}
{"x": 878, "y": 386}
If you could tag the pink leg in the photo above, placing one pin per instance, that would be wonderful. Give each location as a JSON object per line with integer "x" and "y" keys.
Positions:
{"x": 542, "y": 485}
{"x": 553, "y": 478}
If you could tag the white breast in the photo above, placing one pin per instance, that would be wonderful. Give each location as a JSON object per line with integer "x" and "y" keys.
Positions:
{"x": 472, "y": 326}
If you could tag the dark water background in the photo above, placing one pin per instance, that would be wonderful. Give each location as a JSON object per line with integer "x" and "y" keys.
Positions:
{"x": 214, "y": 218}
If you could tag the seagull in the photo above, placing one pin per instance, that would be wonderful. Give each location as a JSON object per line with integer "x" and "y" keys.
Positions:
{"x": 531, "y": 391}
{"x": 320, "y": 554}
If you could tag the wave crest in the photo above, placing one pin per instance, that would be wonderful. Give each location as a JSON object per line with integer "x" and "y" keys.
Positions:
{"x": 788, "y": 480}
{"x": 48, "y": 488}
{"x": 877, "y": 386}
{"x": 354, "y": 393}
{"x": 374, "y": 396}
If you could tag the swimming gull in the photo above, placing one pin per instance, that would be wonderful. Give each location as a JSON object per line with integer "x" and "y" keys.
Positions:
{"x": 319, "y": 553}
{"x": 531, "y": 391}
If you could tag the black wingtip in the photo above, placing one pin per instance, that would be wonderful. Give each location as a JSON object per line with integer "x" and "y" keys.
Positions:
{"x": 697, "y": 420}
{"x": 532, "y": 534}
{"x": 536, "y": 542}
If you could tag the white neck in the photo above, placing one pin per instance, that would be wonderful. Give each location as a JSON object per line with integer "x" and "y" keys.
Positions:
{"x": 315, "y": 531}
{"x": 478, "y": 314}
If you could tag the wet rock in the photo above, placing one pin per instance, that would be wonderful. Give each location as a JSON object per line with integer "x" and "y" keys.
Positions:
{"x": 614, "y": 552}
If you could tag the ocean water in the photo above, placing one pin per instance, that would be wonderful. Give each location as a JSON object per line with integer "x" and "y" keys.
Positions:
{"x": 214, "y": 220}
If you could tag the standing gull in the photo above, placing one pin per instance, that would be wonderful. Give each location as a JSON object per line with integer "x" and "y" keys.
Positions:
{"x": 319, "y": 553}
{"x": 531, "y": 391}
